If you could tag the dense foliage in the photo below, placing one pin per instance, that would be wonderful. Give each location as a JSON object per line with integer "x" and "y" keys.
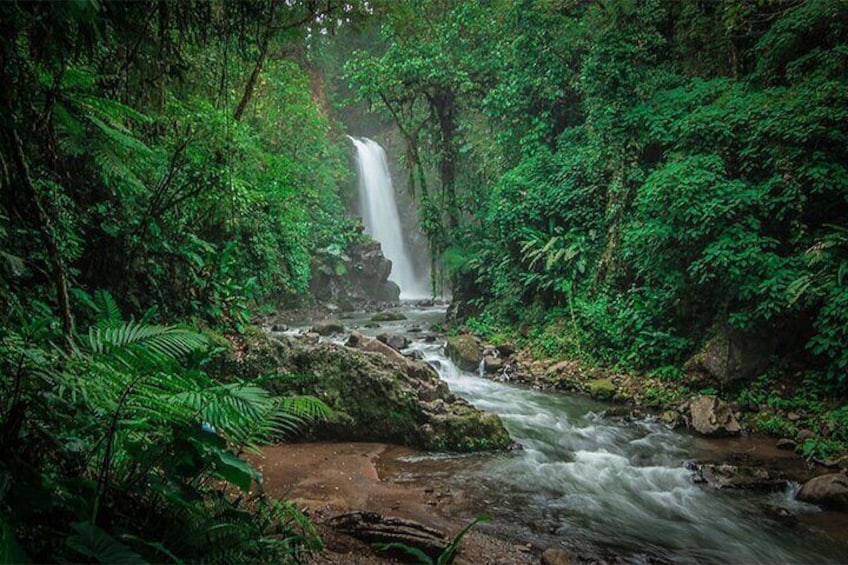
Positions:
{"x": 632, "y": 176}
{"x": 176, "y": 156}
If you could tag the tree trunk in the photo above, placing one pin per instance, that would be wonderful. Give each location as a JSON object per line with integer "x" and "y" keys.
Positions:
{"x": 257, "y": 69}
{"x": 445, "y": 112}
{"x": 45, "y": 227}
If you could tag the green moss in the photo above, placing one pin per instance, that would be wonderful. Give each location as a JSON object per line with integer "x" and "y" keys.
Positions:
{"x": 387, "y": 317}
{"x": 602, "y": 389}
{"x": 463, "y": 350}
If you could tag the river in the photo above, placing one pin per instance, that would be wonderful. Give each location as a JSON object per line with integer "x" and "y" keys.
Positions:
{"x": 582, "y": 478}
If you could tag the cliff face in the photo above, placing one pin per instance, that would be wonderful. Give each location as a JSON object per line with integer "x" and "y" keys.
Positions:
{"x": 356, "y": 280}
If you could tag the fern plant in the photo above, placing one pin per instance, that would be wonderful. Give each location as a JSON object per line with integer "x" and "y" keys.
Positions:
{"x": 124, "y": 412}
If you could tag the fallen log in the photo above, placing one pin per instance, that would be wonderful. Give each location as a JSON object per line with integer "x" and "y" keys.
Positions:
{"x": 372, "y": 527}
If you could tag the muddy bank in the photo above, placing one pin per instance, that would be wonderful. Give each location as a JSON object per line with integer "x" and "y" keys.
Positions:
{"x": 329, "y": 479}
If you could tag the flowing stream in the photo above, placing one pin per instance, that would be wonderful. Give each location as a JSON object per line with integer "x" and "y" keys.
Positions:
{"x": 601, "y": 482}
{"x": 379, "y": 211}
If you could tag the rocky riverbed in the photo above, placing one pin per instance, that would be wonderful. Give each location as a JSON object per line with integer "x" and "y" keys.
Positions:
{"x": 447, "y": 492}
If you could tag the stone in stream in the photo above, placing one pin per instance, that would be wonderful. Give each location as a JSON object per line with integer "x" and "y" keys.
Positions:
{"x": 738, "y": 477}
{"x": 394, "y": 341}
{"x": 464, "y": 351}
{"x": 492, "y": 364}
{"x": 328, "y": 327}
{"x": 388, "y": 316}
{"x": 712, "y": 417}
{"x": 828, "y": 491}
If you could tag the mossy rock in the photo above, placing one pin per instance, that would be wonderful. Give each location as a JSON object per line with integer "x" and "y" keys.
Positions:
{"x": 602, "y": 389}
{"x": 463, "y": 350}
{"x": 388, "y": 317}
{"x": 375, "y": 392}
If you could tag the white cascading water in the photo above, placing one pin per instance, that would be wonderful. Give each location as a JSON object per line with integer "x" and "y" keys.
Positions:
{"x": 380, "y": 214}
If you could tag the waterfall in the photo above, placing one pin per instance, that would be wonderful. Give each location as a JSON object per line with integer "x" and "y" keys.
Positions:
{"x": 380, "y": 214}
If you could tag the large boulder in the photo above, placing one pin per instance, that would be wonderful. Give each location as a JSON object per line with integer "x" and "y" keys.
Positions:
{"x": 712, "y": 417}
{"x": 395, "y": 341}
{"x": 377, "y": 394}
{"x": 388, "y": 316}
{"x": 464, "y": 351}
{"x": 829, "y": 491}
{"x": 733, "y": 355}
{"x": 356, "y": 279}
{"x": 328, "y": 327}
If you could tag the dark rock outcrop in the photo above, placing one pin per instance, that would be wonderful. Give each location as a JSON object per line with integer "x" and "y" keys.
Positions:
{"x": 354, "y": 280}
{"x": 733, "y": 355}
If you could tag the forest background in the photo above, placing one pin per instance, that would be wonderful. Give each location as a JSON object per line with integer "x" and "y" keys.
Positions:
{"x": 619, "y": 183}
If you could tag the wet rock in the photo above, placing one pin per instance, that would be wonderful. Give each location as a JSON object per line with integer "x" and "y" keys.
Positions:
{"x": 328, "y": 327}
{"x": 279, "y": 328}
{"x": 740, "y": 477}
{"x": 429, "y": 338}
{"x": 463, "y": 350}
{"x": 602, "y": 389}
{"x": 415, "y": 354}
{"x": 781, "y": 514}
{"x": 506, "y": 349}
{"x": 836, "y": 463}
{"x": 670, "y": 417}
{"x": 388, "y": 316}
{"x": 555, "y": 556}
{"x": 785, "y": 443}
{"x": 426, "y": 303}
{"x": 733, "y": 355}
{"x": 828, "y": 491}
{"x": 363, "y": 281}
{"x": 371, "y": 325}
{"x": 492, "y": 364}
{"x": 394, "y": 341}
{"x": 311, "y": 338}
{"x": 804, "y": 435}
{"x": 711, "y": 417}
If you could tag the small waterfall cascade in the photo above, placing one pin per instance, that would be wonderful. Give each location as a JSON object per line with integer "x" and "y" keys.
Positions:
{"x": 380, "y": 213}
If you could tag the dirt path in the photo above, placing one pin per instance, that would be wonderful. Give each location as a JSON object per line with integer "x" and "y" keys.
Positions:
{"x": 332, "y": 478}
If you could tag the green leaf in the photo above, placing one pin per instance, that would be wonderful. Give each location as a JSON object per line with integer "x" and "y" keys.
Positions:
{"x": 95, "y": 543}
{"x": 10, "y": 550}
{"x": 234, "y": 470}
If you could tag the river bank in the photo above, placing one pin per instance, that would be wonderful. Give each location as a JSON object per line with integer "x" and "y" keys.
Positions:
{"x": 329, "y": 479}
{"x": 601, "y": 487}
